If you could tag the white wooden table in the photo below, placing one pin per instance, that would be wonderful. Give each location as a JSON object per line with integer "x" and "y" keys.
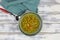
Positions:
{"x": 49, "y": 10}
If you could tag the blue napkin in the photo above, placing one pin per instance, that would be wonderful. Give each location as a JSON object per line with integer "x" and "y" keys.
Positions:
{"x": 18, "y": 7}
{"x": 6, "y": 3}
{"x": 32, "y": 5}
{"x": 14, "y": 6}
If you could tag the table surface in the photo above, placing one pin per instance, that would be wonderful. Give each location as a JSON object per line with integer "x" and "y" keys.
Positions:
{"x": 49, "y": 10}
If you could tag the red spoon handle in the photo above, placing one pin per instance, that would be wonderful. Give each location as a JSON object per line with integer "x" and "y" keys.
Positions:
{"x": 3, "y": 10}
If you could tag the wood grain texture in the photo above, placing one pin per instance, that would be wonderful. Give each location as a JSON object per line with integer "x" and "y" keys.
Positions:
{"x": 49, "y": 10}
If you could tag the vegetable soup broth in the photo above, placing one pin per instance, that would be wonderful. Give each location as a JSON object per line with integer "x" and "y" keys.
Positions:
{"x": 30, "y": 23}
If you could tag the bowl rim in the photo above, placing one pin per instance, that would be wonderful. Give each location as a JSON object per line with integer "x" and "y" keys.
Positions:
{"x": 40, "y": 26}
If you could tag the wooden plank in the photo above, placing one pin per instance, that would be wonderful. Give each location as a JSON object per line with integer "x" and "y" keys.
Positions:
{"x": 36, "y": 37}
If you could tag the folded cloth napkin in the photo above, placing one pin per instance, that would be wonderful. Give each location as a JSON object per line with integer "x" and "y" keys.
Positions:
{"x": 32, "y": 5}
{"x": 18, "y": 7}
{"x": 14, "y": 6}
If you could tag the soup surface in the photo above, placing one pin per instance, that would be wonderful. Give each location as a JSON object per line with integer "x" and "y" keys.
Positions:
{"x": 30, "y": 23}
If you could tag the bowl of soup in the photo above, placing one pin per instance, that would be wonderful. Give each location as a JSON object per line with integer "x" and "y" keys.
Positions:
{"x": 30, "y": 23}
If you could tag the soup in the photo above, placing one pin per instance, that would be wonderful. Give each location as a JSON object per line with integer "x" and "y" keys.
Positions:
{"x": 30, "y": 23}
